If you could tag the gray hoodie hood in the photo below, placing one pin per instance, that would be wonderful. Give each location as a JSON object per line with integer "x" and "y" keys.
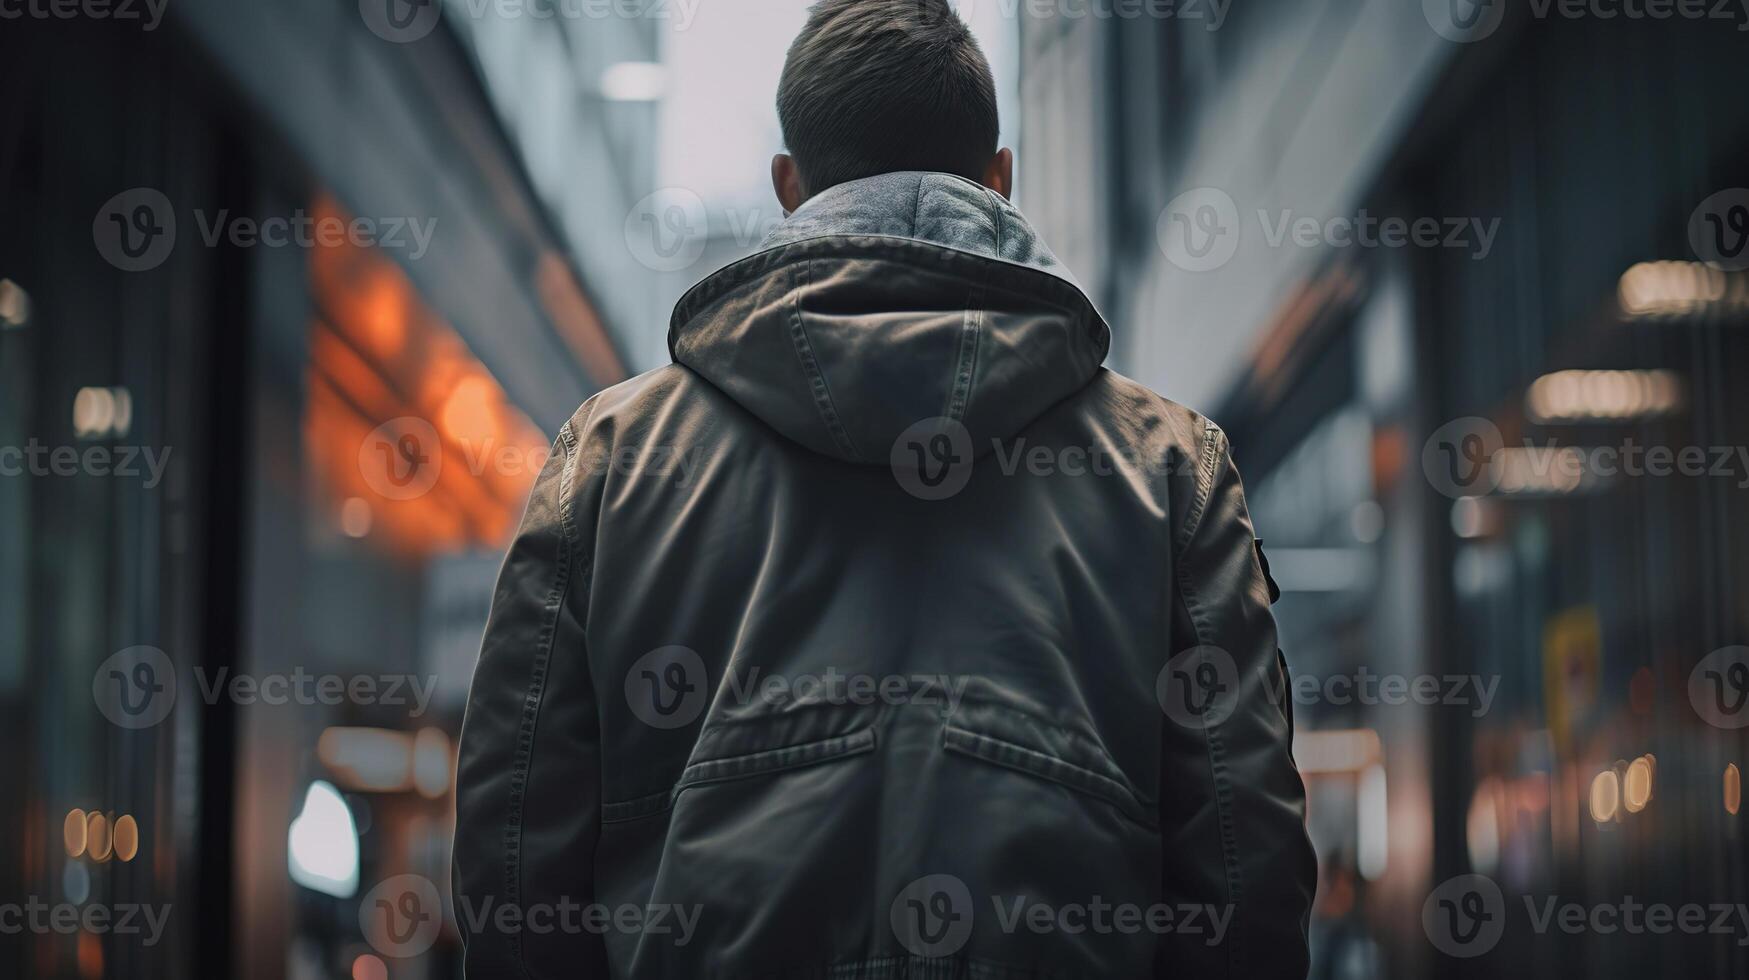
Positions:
{"x": 888, "y": 301}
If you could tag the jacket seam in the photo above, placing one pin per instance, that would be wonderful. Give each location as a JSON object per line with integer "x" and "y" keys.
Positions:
{"x": 1009, "y": 755}
{"x": 1212, "y": 740}
{"x": 811, "y": 367}
{"x": 731, "y": 767}
{"x": 1205, "y": 484}
{"x": 523, "y": 759}
{"x": 801, "y": 251}
{"x": 971, "y": 339}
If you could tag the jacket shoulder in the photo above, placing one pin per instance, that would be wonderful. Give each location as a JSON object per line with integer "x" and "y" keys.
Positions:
{"x": 644, "y": 400}
{"x": 1148, "y": 419}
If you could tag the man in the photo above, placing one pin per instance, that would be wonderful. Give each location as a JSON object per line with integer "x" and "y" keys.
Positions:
{"x": 884, "y": 633}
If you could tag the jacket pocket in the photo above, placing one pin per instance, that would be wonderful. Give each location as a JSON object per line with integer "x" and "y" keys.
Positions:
{"x": 1109, "y": 786}
{"x": 744, "y": 766}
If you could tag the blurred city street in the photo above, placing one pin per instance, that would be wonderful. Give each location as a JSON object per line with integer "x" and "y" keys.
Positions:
{"x": 296, "y": 294}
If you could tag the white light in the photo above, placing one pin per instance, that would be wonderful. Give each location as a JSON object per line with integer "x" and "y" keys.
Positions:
{"x": 431, "y": 762}
{"x": 322, "y": 846}
{"x": 14, "y": 304}
{"x": 1659, "y": 289}
{"x": 1336, "y": 750}
{"x": 102, "y": 412}
{"x": 1372, "y": 816}
{"x": 1469, "y": 517}
{"x": 355, "y": 517}
{"x": 1483, "y": 827}
{"x": 634, "y": 81}
{"x": 1600, "y": 396}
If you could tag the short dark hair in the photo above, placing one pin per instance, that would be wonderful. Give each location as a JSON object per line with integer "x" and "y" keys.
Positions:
{"x": 874, "y": 86}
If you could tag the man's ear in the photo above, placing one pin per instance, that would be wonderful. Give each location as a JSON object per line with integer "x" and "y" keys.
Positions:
{"x": 999, "y": 175}
{"x": 786, "y": 180}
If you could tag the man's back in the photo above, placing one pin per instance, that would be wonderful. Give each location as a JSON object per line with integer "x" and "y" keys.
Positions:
{"x": 885, "y": 634}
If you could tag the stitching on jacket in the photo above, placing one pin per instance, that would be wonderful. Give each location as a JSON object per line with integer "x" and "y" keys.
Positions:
{"x": 856, "y": 246}
{"x": 1205, "y": 486}
{"x": 971, "y": 338}
{"x": 811, "y": 366}
{"x": 737, "y": 766}
{"x": 776, "y": 760}
{"x": 1216, "y": 746}
{"x": 1002, "y": 752}
{"x": 523, "y": 759}
{"x": 990, "y": 198}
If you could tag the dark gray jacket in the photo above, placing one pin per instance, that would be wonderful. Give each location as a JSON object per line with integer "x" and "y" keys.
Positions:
{"x": 883, "y": 634}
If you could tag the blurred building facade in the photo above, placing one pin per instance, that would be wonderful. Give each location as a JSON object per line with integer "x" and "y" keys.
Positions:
{"x": 303, "y": 382}
{"x": 1569, "y": 308}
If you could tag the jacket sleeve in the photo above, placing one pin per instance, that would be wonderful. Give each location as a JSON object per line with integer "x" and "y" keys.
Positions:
{"x": 527, "y": 776}
{"x": 1231, "y": 799}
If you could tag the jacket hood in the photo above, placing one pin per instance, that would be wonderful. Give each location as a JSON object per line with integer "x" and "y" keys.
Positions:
{"x": 888, "y": 301}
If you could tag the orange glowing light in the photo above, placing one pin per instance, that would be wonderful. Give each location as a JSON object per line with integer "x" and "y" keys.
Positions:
{"x": 1637, "y": 784}
{"x": 73, "y": 832}
{"x": 379, "y": 356}
{"x": 90, "y": 955}
{"x": 1605, "y": 796}
{"x": 97, "y": 839}
{"x": 127, "y": 837}
{"x": 470, "y": 413}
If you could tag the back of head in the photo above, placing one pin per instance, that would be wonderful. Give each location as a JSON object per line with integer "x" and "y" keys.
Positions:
{"x": 876, "y": 86}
